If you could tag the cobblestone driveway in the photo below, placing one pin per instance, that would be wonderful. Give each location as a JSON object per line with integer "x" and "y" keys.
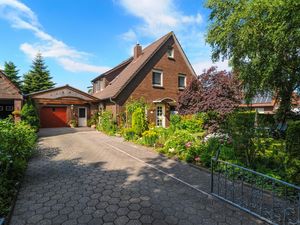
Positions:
{"x": 81, "y": 176}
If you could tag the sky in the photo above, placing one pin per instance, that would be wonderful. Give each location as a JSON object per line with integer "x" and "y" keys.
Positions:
{"x": 82, "y": 39}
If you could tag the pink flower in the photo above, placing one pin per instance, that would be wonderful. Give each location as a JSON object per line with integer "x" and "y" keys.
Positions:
{"x": 188, "y": 144}
{"x": 197, "y": 159}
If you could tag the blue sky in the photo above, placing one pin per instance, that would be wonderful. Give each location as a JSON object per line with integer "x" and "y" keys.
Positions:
{"x": 81, "y": 39}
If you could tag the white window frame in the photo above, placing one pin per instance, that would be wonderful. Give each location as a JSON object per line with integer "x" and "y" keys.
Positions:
{"x": 184, "y": 76}
{"x": 170, "y": 50}
{"x": 161, "y": 78}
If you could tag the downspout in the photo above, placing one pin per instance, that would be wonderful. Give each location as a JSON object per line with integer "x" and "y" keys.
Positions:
{"x": 110, "y": 99}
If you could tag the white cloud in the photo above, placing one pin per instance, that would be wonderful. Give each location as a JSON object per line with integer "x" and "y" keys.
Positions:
{"x": 74, "y": 66}
{"x": 159, "y": 17}
{"x": 199, "y": 67}
{"x": 129, "y": 36}
{"x": 22, "y": 17}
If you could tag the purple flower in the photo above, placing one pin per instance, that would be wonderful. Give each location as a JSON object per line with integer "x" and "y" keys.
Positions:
{"x": 188, "y": 144}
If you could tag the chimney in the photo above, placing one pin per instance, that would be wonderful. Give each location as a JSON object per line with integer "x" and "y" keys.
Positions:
{"x": 137, "y": 51}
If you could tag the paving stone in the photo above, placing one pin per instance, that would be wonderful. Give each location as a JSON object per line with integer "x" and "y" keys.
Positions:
{"x": 82, "y": 180}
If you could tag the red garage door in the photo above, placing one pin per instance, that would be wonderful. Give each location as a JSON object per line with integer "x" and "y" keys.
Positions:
{"x": 53, "y": 117}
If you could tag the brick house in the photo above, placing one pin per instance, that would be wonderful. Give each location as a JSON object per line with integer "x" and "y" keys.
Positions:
{"x": 10, "y": 97}
{"x": 157, "y": 73}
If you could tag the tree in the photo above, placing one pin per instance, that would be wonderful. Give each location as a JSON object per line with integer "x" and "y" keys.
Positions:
{"x": 38, "y": 78}
{"x": 11, "y": 72}
{"x": 29, "y": 114}
{"x": 214, "y": 90}
{"x": 261, "y": 38}
{"x": 189, "y": 101}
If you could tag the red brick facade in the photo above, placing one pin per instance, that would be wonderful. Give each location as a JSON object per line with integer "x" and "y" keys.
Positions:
{"x": 141, "y": 84}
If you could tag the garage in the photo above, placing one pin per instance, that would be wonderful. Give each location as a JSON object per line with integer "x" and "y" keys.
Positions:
{"x": 53, "y": 117}
{"x": 64, "y": 106}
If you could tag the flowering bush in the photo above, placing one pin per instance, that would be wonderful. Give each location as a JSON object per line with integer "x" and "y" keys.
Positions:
{"x": 149, "y": 137}
{"x": 223, "y": 138}
{"x": 182, "y": 144}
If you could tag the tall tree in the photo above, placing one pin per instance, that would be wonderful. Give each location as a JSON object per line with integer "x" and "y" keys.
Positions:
{"x": 11, "y": 72}
{"x": 261, "y": 38}
{"x": 214, "y": 90}
{"x": 38, "y": 78}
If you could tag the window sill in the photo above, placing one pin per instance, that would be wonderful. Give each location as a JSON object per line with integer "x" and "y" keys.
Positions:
{"x": 157, "y": 86}
{"x": 171, "y": 58}
{"x": 181, "y": 88}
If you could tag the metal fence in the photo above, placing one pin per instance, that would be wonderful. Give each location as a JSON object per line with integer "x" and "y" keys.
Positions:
{"x": 270, "y": 199}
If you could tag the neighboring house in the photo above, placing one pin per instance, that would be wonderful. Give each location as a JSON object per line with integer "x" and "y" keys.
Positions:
{"x": 10, "y": 97}
{"x": 58, "y": 106}
{"x": 267, "y": 104}
{"x": 157, "y": 73}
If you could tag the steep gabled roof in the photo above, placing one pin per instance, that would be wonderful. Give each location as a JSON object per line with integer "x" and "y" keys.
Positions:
{"x": 135, "y": 65}
{"x": 17, "y": 94}
{"x": 107, "y": 73}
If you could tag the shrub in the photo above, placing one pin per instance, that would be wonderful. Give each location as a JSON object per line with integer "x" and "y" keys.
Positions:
{"x": 129, "y": 134}
{"x": 241, "y": 129}
{"x": 191, "y": 123}
{"x": 107, "y": 124}
{"x": 163, "y": 135}
{"x": 17, "y": 142}
{"x": 149, "y": 137}
{"x": 293, "y": 151}
{"x": 29, "y": 115}
{"x": 94, "y": 120}
{"x": 179, "y": 144}
{"x": 139, "y": 122}
{"x": 131, "y": 106}
{"x": 293, "y": 139}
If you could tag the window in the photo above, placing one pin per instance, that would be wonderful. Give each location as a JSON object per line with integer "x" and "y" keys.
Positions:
{"x": 8, "y": 108}
{"x": 170, "y": 53}
{"x": 157, "y": 78}
{"x": 159, "y": 115}
{"x": 181, "y": 81}
{"x": 81, "y": 113}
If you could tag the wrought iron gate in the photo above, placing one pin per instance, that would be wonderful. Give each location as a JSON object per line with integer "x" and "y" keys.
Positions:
{"x": 270, "y": 199}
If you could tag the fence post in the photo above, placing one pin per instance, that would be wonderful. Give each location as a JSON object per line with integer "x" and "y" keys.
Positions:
{"x": 212, "y": 176}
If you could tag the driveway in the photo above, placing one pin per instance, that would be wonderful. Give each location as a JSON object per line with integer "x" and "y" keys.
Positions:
{"x": 81, "y": 176}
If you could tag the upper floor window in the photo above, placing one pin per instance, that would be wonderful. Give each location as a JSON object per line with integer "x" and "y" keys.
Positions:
{"x": 170, "y": 53}
{"x": 157, "y": 78}
{"x": 181, "y": 81}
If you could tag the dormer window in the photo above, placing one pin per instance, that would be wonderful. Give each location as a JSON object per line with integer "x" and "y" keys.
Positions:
{"x": 100, "y": 84}
{"x": 170, "y": 53}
